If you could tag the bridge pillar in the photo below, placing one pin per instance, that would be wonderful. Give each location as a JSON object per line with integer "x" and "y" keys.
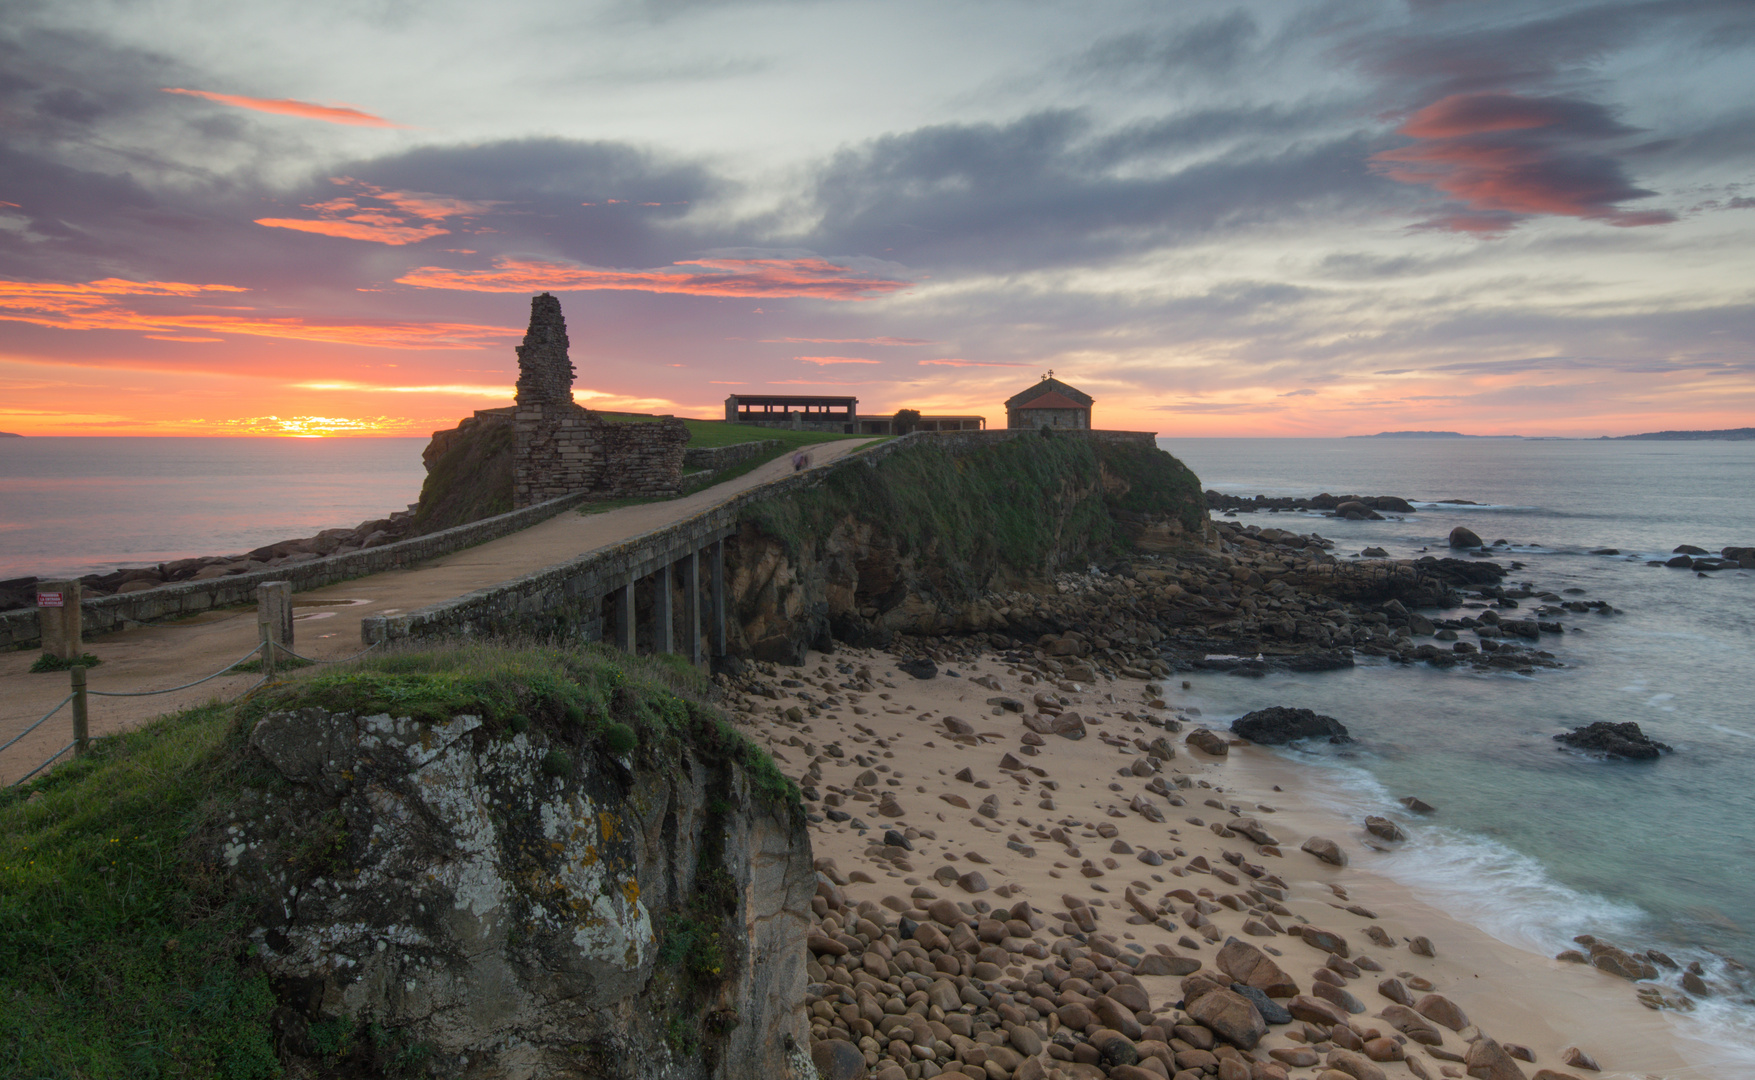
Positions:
{"x": 624, "y": 617}
{"x": 716, "y": 620}
{"x": 691, "y": 620}
{"x": 663, "y": 640}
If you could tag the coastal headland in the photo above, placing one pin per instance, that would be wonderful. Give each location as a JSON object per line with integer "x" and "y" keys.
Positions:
{"x": 1027, "y": 859}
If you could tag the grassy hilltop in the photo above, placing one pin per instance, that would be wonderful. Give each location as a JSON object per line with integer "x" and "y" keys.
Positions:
{"x": 122, "y": 952}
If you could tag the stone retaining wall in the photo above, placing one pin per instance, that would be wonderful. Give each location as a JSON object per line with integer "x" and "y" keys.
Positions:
{"x": 714, "y": 458}
{"x": 19, "y": 629}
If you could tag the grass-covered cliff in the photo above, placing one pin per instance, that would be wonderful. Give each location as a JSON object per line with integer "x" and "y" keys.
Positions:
{"x": 915, "y": 539}
{"x": 130, "y": 946}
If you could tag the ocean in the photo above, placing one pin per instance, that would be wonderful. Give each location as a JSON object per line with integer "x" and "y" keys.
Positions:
{"x": 72, "y": 506}
{"x": 1533, "y": 842}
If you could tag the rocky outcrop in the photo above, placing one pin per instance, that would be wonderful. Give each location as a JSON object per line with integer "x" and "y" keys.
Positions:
{"x": 1613, "y": 740}
{"x": 1337, "y": 505}
{"x": 1278, "y": 725}
{"x": 504, "y": 898}
{"x": 928, "y": 540}
{"x": 469, "y": 472}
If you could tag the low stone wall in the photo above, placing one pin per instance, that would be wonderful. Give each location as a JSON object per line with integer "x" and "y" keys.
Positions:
{"x": 561, "y": 448}
{"x": 570, "y": 595}
{"x": 714, "y": 458}
{"x": 19, "y": 629}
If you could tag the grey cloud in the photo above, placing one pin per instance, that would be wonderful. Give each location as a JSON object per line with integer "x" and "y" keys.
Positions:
{"x": 1044, "y": 191}
{"x": 1211, "y": 45}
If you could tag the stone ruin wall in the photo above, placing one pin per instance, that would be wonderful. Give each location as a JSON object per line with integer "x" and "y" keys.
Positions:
{"x": 561, "y": 448}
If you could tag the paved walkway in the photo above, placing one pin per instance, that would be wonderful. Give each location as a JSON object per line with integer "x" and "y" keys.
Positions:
{"x": 327, "y": 620}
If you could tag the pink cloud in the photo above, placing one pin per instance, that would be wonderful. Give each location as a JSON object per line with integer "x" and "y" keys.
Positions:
{"x": 391, "y": 232}
{"x": 1506, "y": 157}
{"x": 966, "y": 363}
{"x": 115, "y": 304}
{"x": 400, "y": 217}
{"x": 821, "y": 360}
{"x": 845, "y": 341}
{"x": 810, "y": 277}
{"x": 333, "y": 114}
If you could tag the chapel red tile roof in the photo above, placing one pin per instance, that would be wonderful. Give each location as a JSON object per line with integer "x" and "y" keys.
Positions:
{"x": 1051, "y": 401}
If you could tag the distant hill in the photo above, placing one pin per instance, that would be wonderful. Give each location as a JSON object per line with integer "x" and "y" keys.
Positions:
{"x": 1429, "y": 435}
{"x": 10, "y": 435}
{"x": 1737, "y": 433}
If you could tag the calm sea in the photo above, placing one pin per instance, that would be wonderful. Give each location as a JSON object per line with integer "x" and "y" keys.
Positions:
{"x": 1533, "y": 842}
{"x": 71, "y": 506}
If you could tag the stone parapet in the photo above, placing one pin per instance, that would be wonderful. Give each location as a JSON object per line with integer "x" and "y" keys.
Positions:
{"x": 19, "y": 629}
{"x": 714, "y": 458}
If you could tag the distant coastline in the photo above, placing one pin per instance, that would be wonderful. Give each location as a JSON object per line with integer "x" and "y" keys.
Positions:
{"x": 1429, "y": 435}
{"x": 10, "y": 435}
{"x": 1727, "y": 434}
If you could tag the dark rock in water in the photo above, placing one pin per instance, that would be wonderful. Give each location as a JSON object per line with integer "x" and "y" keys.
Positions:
{"x": 1689, "y": 549}
{"x": 1681, "y": 562}
{"x": 1357, "y": 511}
{"x": 1279, "y": 725}
{"x": 1418, "y": 806}
{"x": 1615, "y": 740}
{"x": 1606, "y": 551}
{"x": 921, "y": 668}
{"x": 1464, "y": 538}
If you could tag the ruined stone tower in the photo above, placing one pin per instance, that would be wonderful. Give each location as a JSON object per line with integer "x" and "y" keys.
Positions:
{"x": 545, "y": 372}
{"x": 561, "y": 449}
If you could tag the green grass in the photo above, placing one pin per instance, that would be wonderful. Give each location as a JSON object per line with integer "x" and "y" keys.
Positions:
{"x": 1027, "y": 505}
{"x": 118, "y": 955}
{"x": 121, "y": 953}
{"x": 50, "y": 662}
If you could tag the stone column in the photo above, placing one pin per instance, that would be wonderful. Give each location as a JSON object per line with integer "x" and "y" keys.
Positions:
{"x": 624, "y": 618}
{"x": 717, "y": 619}
{"x": 59, "y": 618}
{"x": 691, "y": 620}
{"x": 663, "y": 640}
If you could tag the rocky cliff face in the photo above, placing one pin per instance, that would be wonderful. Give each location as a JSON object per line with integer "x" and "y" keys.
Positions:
{"x": 926, "y": 540}
{"x": 489, "y": 899}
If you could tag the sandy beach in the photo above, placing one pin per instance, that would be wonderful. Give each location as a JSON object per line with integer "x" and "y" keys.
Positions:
{"x": 1127, "y": 860}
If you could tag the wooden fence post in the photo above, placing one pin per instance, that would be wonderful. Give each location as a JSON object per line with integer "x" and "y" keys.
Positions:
{"x": 59, "y": 620}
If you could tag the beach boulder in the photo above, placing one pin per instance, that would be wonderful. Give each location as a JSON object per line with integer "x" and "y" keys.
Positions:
{"x": 1208, "y": 742}
{"x": 1278, "y": 725}
{"x": 1461, "y": 537}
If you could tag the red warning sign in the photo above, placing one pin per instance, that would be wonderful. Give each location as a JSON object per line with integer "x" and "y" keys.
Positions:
{"x": 49, "y": 599}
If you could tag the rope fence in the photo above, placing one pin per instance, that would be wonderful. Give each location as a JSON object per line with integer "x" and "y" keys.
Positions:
{"x": 274, "y": 622}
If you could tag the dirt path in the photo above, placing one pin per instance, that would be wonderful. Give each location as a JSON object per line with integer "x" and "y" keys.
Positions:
{"x": 327, "y": 620}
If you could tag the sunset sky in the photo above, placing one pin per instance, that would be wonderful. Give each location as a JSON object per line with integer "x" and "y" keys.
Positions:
{"x": 1317, "y": 218}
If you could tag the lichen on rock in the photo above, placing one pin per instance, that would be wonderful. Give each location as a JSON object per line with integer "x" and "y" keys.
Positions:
{"x": 429, "y": 877}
